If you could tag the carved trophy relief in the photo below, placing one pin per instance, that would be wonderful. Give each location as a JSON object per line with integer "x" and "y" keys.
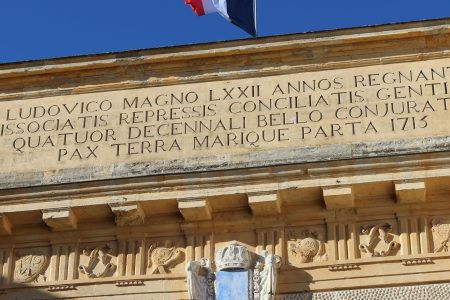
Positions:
{"x": 440, "y": 229}
{"x": 162, "y": 258}
{"x": 99, "y": 262}
{"x": 307, "y": 245}
{"x": 379, "y": 241}
{"x": 31, "y": 266}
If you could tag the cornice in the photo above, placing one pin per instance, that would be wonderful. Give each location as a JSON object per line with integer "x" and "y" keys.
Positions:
{"x": 226, "y": 48}
{"x": 167, "y": 66}
{"x": 232, "y": 182}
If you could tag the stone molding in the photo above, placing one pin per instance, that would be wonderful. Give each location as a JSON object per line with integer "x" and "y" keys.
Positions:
{"x": 357, "y": 37}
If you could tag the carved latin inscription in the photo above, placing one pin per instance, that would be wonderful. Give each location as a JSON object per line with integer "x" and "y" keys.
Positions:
{"x": 163, "y": 129}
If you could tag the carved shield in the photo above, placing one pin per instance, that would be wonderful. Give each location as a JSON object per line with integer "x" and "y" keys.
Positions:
{"x": 29, "y": 267}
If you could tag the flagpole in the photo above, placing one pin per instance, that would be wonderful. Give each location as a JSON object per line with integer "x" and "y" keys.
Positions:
{"x": 256, "y": 20}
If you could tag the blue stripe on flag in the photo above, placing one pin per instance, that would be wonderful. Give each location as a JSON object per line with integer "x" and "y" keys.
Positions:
{"x": 241, "y": 13}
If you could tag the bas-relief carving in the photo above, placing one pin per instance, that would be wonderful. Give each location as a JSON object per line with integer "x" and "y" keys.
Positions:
{"x": 99, "y": 262}
{"x": 234, "y": 256}
{"x": 308, "y": 245}
{"x": 162, "y": 258}
{"x": 200, "y": 280}
{"x": 379, "y": 240}
{"x": 441, "y": 234}
{"x": 30, "y": 266}
{"x": 129, "y": 219}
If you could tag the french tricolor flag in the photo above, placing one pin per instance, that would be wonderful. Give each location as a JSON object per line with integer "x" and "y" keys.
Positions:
{"x": 242, "y": 13}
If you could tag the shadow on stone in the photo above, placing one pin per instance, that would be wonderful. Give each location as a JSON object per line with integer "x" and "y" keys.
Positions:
{"x": 26, "y": 291}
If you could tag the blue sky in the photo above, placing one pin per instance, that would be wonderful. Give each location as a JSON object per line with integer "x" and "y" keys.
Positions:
{"x": 35, "y": 29}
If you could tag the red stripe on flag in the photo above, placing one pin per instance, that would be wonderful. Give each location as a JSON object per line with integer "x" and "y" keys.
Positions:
{"x": 197, "y": 6}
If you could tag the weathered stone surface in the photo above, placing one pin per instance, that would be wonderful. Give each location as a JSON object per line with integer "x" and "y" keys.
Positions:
{"x": 417, "y": 292}
{"x": 298, "y": 116}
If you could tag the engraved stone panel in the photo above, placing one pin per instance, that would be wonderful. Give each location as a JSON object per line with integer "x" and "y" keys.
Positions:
{"x": 332, "y": 114}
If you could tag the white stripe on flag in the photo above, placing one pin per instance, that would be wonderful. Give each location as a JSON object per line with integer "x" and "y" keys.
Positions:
{"x": 221, "y": 6}
{"x": 208, "y": 7}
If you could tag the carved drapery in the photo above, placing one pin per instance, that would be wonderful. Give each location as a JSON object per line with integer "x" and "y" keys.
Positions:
{"x": 200, "y": 280}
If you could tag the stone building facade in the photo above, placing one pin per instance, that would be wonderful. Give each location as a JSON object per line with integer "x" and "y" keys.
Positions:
{"x": 305, "y": 166}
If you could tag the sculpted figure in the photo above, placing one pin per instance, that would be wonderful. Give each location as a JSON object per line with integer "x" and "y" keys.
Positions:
{"x": 267, "y": 276}
{"x": 200, "y": 280}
